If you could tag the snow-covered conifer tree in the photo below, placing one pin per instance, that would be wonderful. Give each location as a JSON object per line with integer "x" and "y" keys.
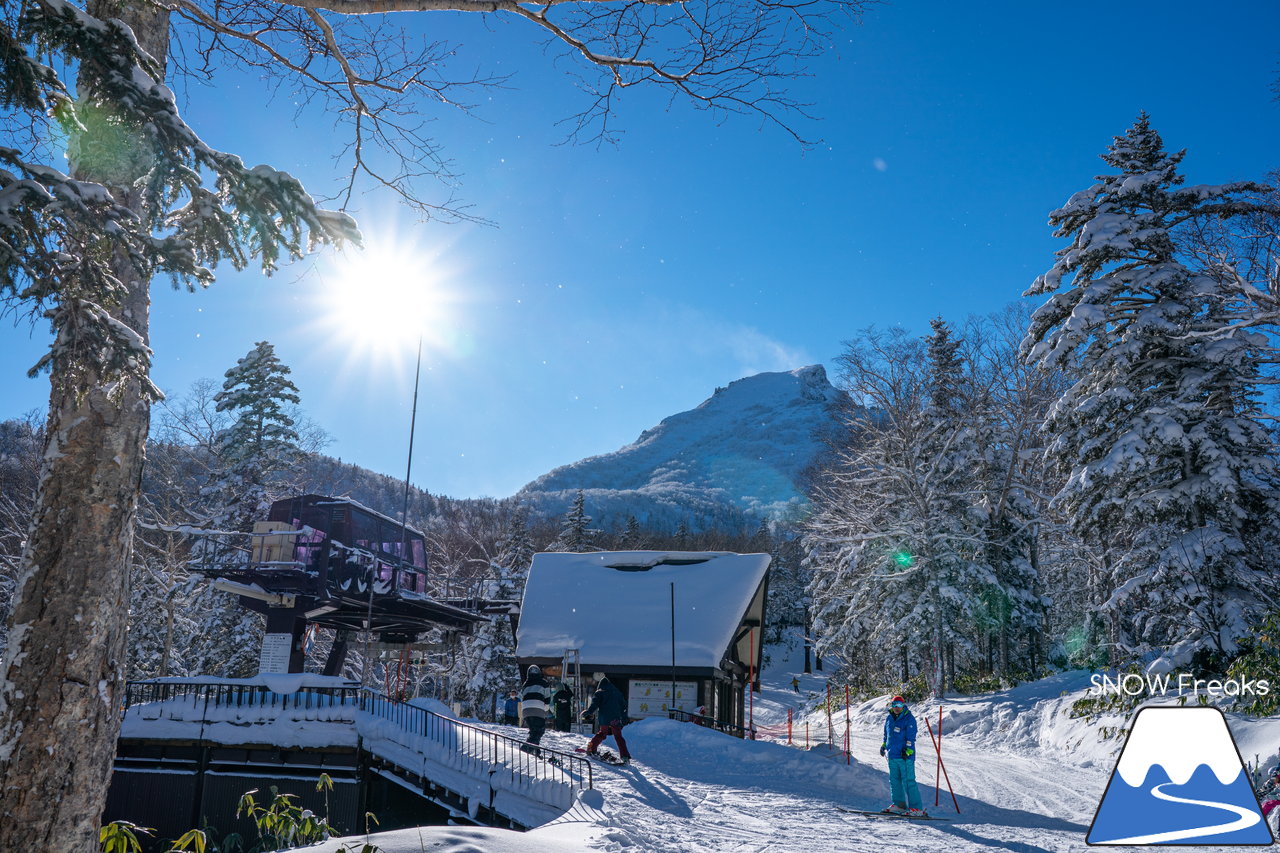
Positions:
{"x": 261, "y": 439}
{"x": 576, "y": 533}
{"x": 631, "y": 535}
{"x": 1168, "y": 465}
{"x": 897, "y": 534}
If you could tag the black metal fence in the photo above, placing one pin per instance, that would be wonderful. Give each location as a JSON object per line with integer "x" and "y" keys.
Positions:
{"x": 480, "y": 746}
{"x": 711, "y": 723}
{"x": 218, "y": 695}
{"x": 480, "y": 749}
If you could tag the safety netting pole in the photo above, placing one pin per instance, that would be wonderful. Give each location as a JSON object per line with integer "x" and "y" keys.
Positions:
{"x": 848, "y": 729}
{"x": 831, "y": 729}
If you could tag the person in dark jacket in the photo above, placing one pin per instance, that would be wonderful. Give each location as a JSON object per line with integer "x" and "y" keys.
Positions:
{"x": 900, "y": 745}
{"x": 609, "y": 708}
{"x": 562, "y": 703}
{"x": 534, "y": 703}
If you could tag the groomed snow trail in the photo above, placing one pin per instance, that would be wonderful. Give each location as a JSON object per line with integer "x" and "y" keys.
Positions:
{"x": 692, "y": 790}
{"x": 1028, "y": 778}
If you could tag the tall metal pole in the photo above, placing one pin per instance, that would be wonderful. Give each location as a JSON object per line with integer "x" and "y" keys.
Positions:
{"x": 404, "y": 518}
{"x": 673, "y": 644}
{"x": 413, "y": 423}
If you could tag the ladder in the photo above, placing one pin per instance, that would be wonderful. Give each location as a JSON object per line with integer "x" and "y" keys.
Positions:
{"x": 571, "y": 668}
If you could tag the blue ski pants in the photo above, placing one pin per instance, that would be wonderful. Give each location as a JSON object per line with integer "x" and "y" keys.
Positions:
{"x": 902, "y": 783}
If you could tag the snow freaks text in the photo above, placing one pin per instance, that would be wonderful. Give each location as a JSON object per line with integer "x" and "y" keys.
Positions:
{"x": 1183, "y": 684}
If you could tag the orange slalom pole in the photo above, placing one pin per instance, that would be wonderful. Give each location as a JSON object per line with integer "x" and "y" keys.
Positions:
{"x": 950, "y": 790}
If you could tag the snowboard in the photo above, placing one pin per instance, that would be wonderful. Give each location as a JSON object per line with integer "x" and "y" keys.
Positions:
{"x": 602, "y": 755}
{"x": 539, "y": 753}
{"x": 890, "y": 814}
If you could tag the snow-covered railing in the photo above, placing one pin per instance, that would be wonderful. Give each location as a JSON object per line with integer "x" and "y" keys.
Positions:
{"x": 221, "y": 695}
{"x": 399, "y": 732}
{"x": 479, "y": 750}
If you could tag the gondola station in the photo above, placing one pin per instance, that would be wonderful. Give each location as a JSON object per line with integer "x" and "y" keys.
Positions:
{"x": 674, "y": 631}
{"x": 333, "y": 563}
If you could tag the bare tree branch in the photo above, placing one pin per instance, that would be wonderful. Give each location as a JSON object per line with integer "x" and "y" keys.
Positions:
{"x": 347, "y": 57}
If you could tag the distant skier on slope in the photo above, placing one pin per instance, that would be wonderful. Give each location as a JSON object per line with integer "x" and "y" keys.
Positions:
{"x": 900, "y": 745}
{"x": 534, "y": 702}
{"x": 609, "y": 707}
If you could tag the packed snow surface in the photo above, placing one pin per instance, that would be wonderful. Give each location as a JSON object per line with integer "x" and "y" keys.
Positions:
{"x": 1027, "y": 776}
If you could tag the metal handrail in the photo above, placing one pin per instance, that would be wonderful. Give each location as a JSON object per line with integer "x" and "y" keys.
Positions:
{"x": 482, "y": 746}
{"x": 239, "y": 695}
{"x": 711, "y": 723}
{"x": 483, "y": 749}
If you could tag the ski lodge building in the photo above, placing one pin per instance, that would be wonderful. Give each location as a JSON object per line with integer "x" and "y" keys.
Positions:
{"x": 650, "y": 620}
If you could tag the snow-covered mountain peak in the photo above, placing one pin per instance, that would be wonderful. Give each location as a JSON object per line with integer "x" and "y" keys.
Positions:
{"x": 746, "y": 446}
{"x": 1179, "y": 740}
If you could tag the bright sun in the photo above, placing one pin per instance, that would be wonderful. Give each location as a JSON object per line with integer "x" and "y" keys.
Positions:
{"x": 379, "y": 301}
{"x": 383, "y": 295}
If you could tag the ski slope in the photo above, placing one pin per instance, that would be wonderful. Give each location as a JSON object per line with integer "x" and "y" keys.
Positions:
{"x": 1027, "y": 778}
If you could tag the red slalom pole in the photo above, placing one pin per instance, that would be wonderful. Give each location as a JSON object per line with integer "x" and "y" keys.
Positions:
{"x": 937, "y": 773}
{"x": 790, "y": 714}
{"x": 950, "y": 790}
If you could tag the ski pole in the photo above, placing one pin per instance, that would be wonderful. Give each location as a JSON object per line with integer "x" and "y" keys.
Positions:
{"x": 950, "y": 790}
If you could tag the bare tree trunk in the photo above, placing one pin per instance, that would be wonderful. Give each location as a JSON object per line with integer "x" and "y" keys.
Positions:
{"x": 167, "y": 652}
{"x": 62, "y": 679}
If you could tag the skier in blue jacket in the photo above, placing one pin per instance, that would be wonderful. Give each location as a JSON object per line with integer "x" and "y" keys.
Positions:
{"x": 900, "y": 745}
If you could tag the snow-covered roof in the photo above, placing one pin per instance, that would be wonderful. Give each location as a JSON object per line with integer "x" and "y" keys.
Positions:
{"x": 615, "y": 606}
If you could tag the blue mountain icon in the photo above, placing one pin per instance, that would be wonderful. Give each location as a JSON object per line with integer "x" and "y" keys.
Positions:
{"x": 1179, "y": 781}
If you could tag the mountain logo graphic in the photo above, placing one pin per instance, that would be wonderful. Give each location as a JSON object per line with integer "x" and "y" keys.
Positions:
{"x": 1180, "y": 781}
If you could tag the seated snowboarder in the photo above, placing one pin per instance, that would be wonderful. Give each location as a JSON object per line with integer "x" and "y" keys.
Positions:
{"x": 609, "y": 708}
{"x": 534, "y": 702}
{"x": 900, "y": 745}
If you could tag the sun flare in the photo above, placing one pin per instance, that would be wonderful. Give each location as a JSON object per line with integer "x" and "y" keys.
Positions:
{"x": 384, "y": 298}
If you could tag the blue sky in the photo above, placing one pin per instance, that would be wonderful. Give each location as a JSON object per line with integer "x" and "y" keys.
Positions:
{"x": 623, "y": 284}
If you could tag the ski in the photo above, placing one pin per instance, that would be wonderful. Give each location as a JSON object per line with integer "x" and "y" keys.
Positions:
{"x": 890, "y": 814}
